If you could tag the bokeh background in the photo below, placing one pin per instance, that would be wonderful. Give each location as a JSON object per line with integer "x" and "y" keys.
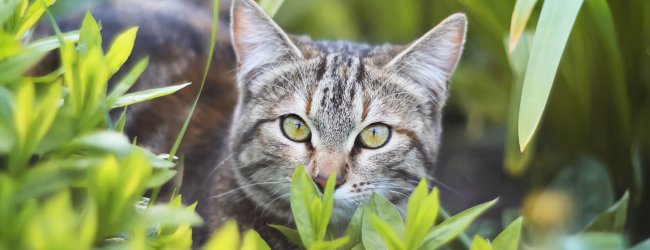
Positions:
{"x": 593, "y": 143}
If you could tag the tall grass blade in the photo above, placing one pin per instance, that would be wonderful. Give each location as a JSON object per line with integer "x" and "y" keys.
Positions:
{"x": 520, "y": 16}
{"x": 516, "y": 161}
{"x": 553, "y": 29}
{"x": 213, "y": 43}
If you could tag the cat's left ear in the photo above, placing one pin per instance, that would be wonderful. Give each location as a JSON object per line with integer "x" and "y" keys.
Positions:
{"x": 432, "y": 58}
{"x": 258, "y": 41}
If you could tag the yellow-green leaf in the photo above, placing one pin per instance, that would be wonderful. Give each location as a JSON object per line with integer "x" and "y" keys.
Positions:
{"x": 553, "y": 29}
{"x": 518, "y": 22}
{"x": 291, "y": 234}
{"x": 121, "y": 49}
{"x": 225, "y": 238}
{"x": 33, "y": 14}
{"x": 508, "y": 239}
{"x": 480, "y": 243}
{"x": 253, "y": 241}
{"x": 452, "y": 227}
{"x": 393, "y": 242}
{"x": 148, "y": 94}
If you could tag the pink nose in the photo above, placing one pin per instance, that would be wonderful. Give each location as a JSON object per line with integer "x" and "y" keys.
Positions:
{"x": 321, "y": 181}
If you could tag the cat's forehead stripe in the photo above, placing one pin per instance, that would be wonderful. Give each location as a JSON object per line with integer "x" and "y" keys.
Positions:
{"x": 335, "y": 116}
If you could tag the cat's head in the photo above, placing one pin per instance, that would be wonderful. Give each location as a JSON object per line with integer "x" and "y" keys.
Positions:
{"x": 371, "y": 114}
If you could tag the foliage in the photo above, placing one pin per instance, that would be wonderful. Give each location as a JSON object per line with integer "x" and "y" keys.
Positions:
{"x": 377, "y": 224}
{"x": 593, "y": 99}
{"x": 69, "y": 179}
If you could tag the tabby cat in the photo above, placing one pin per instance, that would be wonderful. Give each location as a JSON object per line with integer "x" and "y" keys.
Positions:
{"x": 272, "y": 101}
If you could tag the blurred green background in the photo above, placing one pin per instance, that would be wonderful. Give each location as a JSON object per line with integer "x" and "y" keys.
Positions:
{"x": 593, "y": 142}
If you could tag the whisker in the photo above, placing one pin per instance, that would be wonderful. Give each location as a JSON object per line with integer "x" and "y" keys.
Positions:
{"x": 245, "y": 186}
{"x": 214, "y": 170}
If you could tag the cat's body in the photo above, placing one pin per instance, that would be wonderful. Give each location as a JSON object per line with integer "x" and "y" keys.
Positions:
{"x": 370, "y": 114}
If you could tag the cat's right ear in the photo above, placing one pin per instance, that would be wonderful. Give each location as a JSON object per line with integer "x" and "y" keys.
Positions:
{"x": 258, "y": 41}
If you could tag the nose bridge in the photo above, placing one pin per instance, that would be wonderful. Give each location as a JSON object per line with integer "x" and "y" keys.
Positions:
{"x": 328, "y": 163}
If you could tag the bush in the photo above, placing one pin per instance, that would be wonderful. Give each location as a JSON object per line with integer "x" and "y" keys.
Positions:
{"x": 69, "y": 178}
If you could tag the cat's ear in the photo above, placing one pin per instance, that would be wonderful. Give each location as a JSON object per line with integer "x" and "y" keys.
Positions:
{"x": 258, "y": 41}
{"x": 432, "y": 58}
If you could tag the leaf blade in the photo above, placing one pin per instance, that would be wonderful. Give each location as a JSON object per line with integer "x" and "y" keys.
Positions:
{"x": 555, "y": 24}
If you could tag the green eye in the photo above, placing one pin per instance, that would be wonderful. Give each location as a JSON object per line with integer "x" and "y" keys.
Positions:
{"x": 374, "y": 136}
{"x": 295, "y": 128}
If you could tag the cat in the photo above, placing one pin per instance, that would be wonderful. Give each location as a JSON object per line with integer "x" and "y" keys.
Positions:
{"x": 370, "y": 114}
{"x": 273, "y": 101}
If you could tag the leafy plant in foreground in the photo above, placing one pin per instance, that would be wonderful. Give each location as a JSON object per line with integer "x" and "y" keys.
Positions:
{"x": 377, "y": 224}
{"x": 69, "y": 179}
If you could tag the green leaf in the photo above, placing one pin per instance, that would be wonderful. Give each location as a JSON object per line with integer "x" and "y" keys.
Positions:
{"x": 124, "y": 84}
{"x": 6, "y": 127}
{"x": 253, "y": 241}
{"x": 33, "y": 14}
{"x": 353, "y": 231}
{"x": 145, "y": 95}
{"x": 121, "y": 121}
{"x": 171, "y": 216}
{"x": 292, "y": 235}
{"x": 225, "y": 238}
{"x": 508, "y": 239}
{"x": 160, "y": 177}
{"x": 160, "y": 161}
{"x": 121, "y": 49}
{"x": 33, "y": 53}
{"x": 7, "y": 9}
{"x": 369, "y": 237}
{"x": 383, "y": 208}
{"x": 303, "y": 193}
{"x": 52, "y": 176}
{"x": 644, "y": 245}
{"x": 326, "y": 245}
{"x": 14, "y": 67}
{"x": 611, "y": 220}
{"x": 88, "y": 224}
{"x": 516, "y": 161}
{"x": 10, "y": 46}
{"x": 328, "y": 205}
{"x": 393, "y": 242}
{"x": 89, "y": 36}
{"x": 594, "y": 241}
{"x": 520, "y": 16}
{"x": 479, "y": 243}
{"x": 449, "y": 229}
{"x": 271, "y": 7}
{"x": 104, "y": 141}
{"x": 553, "y": 29}
{"x": 421, "y": 214}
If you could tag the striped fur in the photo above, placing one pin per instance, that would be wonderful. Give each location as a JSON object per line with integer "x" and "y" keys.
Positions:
{"x": 337, "y": 88}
